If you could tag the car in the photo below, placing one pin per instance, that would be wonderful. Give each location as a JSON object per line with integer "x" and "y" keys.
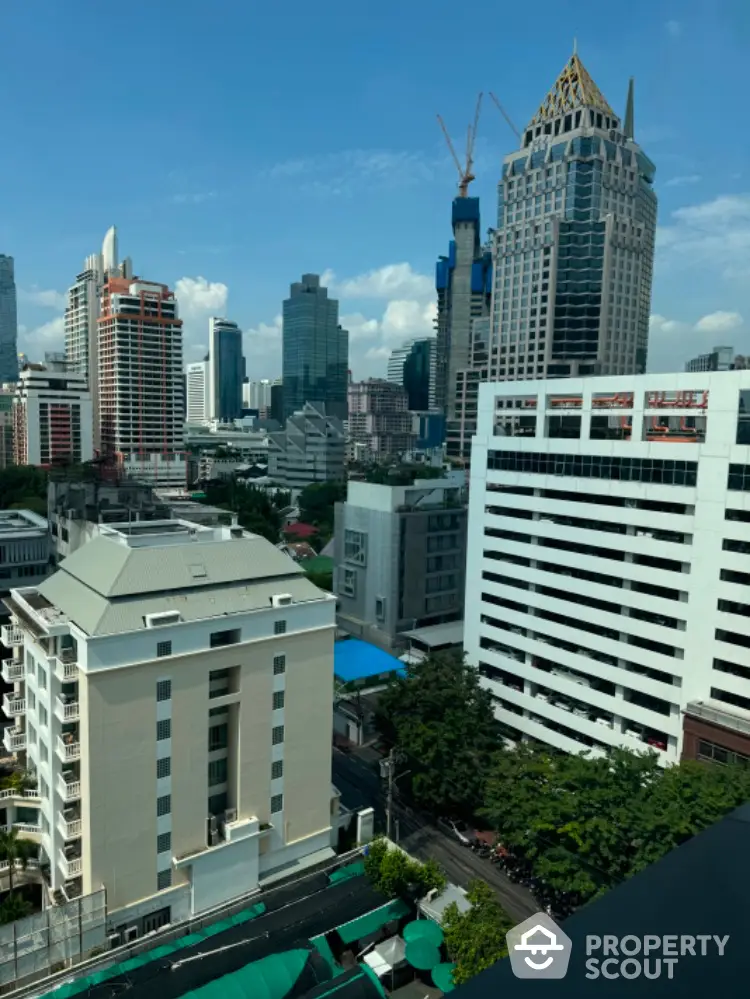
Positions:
{"x": 458, "y": 829}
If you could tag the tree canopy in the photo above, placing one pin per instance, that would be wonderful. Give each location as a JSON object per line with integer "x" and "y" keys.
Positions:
{"x": 316, "y": 505}
{"x": 442, "y": 721}
{"x": 23, "y": 487}
{"x": 396, "y": 874}
{"x": 475, "y": 939}
{"x": 255, "y": 511}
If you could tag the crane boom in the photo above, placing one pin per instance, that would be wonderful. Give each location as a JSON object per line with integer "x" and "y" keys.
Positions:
{"x": 503, "y": 112}
{"x": 450, "y": 147}
{"x": 465, "y": 173}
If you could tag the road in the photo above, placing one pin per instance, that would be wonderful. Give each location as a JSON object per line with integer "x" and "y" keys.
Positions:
{"x": 360, "y": 787}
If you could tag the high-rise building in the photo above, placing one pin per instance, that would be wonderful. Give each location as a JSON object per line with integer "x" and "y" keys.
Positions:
{"x": 257, "y": 395}
{"x": 8, "y": 321}
{"x": 720, "y": 359}
{"x": 574, "y": 244}
{"x": 6, "y": 426}
{"x": 226, "y": 369}
{"x": 315, "y": 350}
{"x": 197, "y": 392}
{"x": 413, "y": 366}
{"x": 607, "y": 582}
{"x": 52, "y": 415}
{"x": 82, "y": 314}
{"x": 277, "y": 401}
{"x": 174, "y": 701}
{"x": 140, "y": 380}
{"x": 380, "y": 424}
{"x": 311, "y": 448}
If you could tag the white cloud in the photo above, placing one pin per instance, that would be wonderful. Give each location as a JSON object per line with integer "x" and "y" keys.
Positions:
{"x": 390, "y": 282}
{"x": 719, "y": 322}
{"x": 713, "y": 236}
{"x": 683, "y": 181}
{"x": 343, "y": 173}
{"x": 197, "y": 296}
{"x": 47, "y": 298}
{"x": 194, "y": 198}
{"x": 359, "y": 327}
{"x": 674, "y": 29}
{"x": 263, "y": 350}
{"x": 403, "y": 319}
{"x": 48, "y": 336}
{"x": 660, "y": 324}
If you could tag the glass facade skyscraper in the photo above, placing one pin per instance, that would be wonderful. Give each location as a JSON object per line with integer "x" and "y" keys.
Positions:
{"x": 574, "y": 245}
{"x": 412, "y": 365}
{"x": 226, "y": 369}
{"x": 8, "y": 321}
{"x": 315, "y": 350}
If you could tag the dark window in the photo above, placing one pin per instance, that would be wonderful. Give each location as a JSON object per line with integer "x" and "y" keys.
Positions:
{"x": 163, "y": 690}
{"x": 277, "y": 802}
{"x": 218, "y": 737}
{"x": 164, "y": 729}
{"x": 164, "y": 767}
{"x": 164, "y": 842}
{"x": 277, "y": 769}
{"x": 217, "y": 772}
{"x": 221, "y": 638}
{"x": 279, "y": 665}
{"x": 586, "y": 466}
{"x": 163, "y": 649}
{"x": 164, "y": 880}
{"x": 218, "y": 803}
{"x": 279, "y": 627}
{"x": 278, "y": 699}
{"x": 164, "y": 804}
{"x": 277, "y": 735}
{"x": 738, "y": 479}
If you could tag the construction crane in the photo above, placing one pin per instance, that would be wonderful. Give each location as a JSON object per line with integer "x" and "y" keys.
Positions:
{"x": 466, "y": 172}
{"x": 504, "y": 113}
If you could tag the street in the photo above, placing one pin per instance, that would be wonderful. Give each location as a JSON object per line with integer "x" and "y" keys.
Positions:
{"x": 360, "y": 787}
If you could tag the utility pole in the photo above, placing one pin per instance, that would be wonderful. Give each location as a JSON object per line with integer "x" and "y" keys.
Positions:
{"x": 389, "y": 799}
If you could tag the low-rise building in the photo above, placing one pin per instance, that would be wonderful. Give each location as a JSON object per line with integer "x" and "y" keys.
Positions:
{"x": 25, "y": 550}
{"x": 400, "y": 554}
{"x": 609, "y": 533}
{"x": 311, "y": 448}
{"x": 173, "y": 697}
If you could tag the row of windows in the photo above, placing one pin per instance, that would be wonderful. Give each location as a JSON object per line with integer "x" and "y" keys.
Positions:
{"x": 218, "y": 639}
{"x": 678, "y": 473}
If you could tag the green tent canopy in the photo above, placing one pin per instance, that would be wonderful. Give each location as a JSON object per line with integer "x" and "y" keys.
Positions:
{"x": 373, "y": 921}
{"x": 423, "y": 955}
{"x": 423, "y": 929}
{"x": 442, "y": 977}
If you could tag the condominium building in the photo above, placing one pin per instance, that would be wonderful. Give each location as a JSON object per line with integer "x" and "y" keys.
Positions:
{"x": 140, "y": 379}
{"x": 6, "y": 425}
{"x": 257, "y": 395}
{"x": 380, "y": 424}
{"x": 8, "y": 321}
{"x": 197, "y": 391}
{"x": 52, "y": 415}
{"x": 719, "y": 359}
{"x": 400, "y": 556}
{"x": 172, "y": 695}
{"x": 311, "y": 448}
{"x": 226, "y": 369}
{"x": 609, "y": 531}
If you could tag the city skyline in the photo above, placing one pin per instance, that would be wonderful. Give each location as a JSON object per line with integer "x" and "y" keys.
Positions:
{"x": 388, "y": 174}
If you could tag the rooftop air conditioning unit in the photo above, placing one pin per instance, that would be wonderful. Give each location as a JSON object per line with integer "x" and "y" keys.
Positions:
{"x": 230, "y": 815}
{"x": 281, "y": 599}
{"x": 131, "y": 933}
{"x": 114, "y": 940}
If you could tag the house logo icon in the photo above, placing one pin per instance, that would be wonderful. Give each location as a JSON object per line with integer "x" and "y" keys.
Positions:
{"x": 538, "y": 948}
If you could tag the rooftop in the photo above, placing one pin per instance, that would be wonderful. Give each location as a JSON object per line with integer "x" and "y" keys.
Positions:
{"x": 573, "y": 89}
{"x": 438, "y": 636}
{"x": 21, "y": 524}
{"x": 354, "y": 659}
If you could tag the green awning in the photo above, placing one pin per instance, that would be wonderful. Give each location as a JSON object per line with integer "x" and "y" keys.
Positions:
{"x": 373, "y": 921}
{"x": 442, "y": 977}
{"x": 323, "y": 948}
{"x": 423, "y": 955}
{"x": 345, "y": 873}
{"x": 272, "y": 977}
{"x": 423, "y": 929}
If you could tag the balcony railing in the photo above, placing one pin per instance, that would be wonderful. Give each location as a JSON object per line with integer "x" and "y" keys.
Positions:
{"x": 68, "y": 790}
{"x": 27, "y": 827}
{"x": 12, "y": 670}
{"x": 66, "y": 711}
{"x": 31, "y": 793}
{"x": 14, "y": 739}
{"x": 13, "y": 706}
{"x": 70, "y": 829}
{"x": 70, "y": 866}
{"x": 64, "y": 669}
{"x": 68, "y": 751}
{"x": 11, "y": 635}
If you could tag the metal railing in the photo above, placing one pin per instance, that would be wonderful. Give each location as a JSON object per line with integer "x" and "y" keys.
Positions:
{"x": 68, "y": 790}
{"x": 68, "y": 751}
{"x": 12, "y": 670}
{"x": 11, "y": 635}
{"x": 13, "y": 705}
{"x": 70, "y": 866}
{"x": 70, "y": 829}
{"x": 66, "y": 711}
{"x": 64, "y": 669}
{"x": 14, "y": 739}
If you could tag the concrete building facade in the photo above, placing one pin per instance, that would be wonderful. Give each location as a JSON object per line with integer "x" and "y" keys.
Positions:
{"x": 380, "y": 424}
{"x": 25, "y": 550}
{"x": 719, "y": 359}
{"x": 400, "y": 557}
{"x": 7, "y": 396}
{"x": 52, "y": 415}
{"x": 608, "y": 537}
{"x": 197, "y": 392}
{"x": 173, "y": 697}
{"x": 311, "y": 448}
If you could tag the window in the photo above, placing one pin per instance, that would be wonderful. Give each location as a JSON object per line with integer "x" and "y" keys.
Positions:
{"x": 278, "y": 699}
{"x": 218, "y": 680}
{"x": 221, "y": 638}
{"x": 380, "y": 608}
{"x": 277, "y": 802}
{"x": 164, "y": 842}
{"x": 163, "y": 649}
{"x": 164, "y": 767}
{"x": 164, "y": 804}
{"x": 163, "y": 880}
{"x": 43, "y": 716}
{"x": 738, "y": 480}
{"x": 348, "y": 583}
{"x": 218, "y": 803}
{"x": 355, "y": 547}
{"x": 277, "y": 735}
{"x": 163, "y": 690}
{"x": 218, "y": 737}
{"x": 217, "y": 772}
{"x": 277, "y": 769}
{"x": 279, "y": 627}
{"x": 164, "y": 729}
{"x": 41, "y": 677}
{"x": 586, "y": 466}
{"x": 279, "y": 665}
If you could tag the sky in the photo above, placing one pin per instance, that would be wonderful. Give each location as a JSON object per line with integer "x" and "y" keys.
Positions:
{"x": 237, "y": 145}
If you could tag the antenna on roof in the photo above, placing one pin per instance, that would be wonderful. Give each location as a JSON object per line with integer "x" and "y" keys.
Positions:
{"x": 575, "y": 46}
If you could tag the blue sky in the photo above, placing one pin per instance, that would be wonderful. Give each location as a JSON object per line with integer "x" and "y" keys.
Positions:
{"x": 237, "y": 145}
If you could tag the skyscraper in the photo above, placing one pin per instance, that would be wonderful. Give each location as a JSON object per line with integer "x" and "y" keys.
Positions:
{"x": 226, "y": 369}
{"x": 8, "y": 321}
{"x": 315, "y": 350}
{"x": 413, "y": 366}
{"x": 574, "y": 245}
{"x": 196, "y": 385}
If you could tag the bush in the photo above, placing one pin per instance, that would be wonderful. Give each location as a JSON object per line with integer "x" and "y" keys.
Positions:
{"x": 395, "y": 874}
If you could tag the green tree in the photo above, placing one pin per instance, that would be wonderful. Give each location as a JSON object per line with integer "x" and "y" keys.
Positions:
{"x": 442, "y": 721}
{"x": 316, "y": 503}
{"x": 14, "y": 907}
{"x": 475, "y": 939}
{"x": 20, "y": 484}
{"x": 255, "y": 511}
{"x": 396, "y": 874}
{"x": 15, "y": 850}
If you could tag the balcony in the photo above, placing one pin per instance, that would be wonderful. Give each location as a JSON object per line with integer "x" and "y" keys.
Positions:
{"x": 29, "y": 794}
{"x": 69, "y": 790}
{"x": 11, "y": 635}
{"x": 13, "y": 706}
{"x": 70, "y": 866}
{"x": 64, "y": 669}
{"x": 14, "y": 739}
{"x": 68, "y": 749}
{"x": 69, "y": 829}
{"x": 66, "y": 711}
{"x": 12, "y": 670}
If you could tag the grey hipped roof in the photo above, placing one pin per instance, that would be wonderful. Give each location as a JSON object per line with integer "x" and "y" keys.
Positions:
{"x": 107, "y": 588}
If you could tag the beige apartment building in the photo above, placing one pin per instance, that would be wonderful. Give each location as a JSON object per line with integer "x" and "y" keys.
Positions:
{"x": 173, "y": 697}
